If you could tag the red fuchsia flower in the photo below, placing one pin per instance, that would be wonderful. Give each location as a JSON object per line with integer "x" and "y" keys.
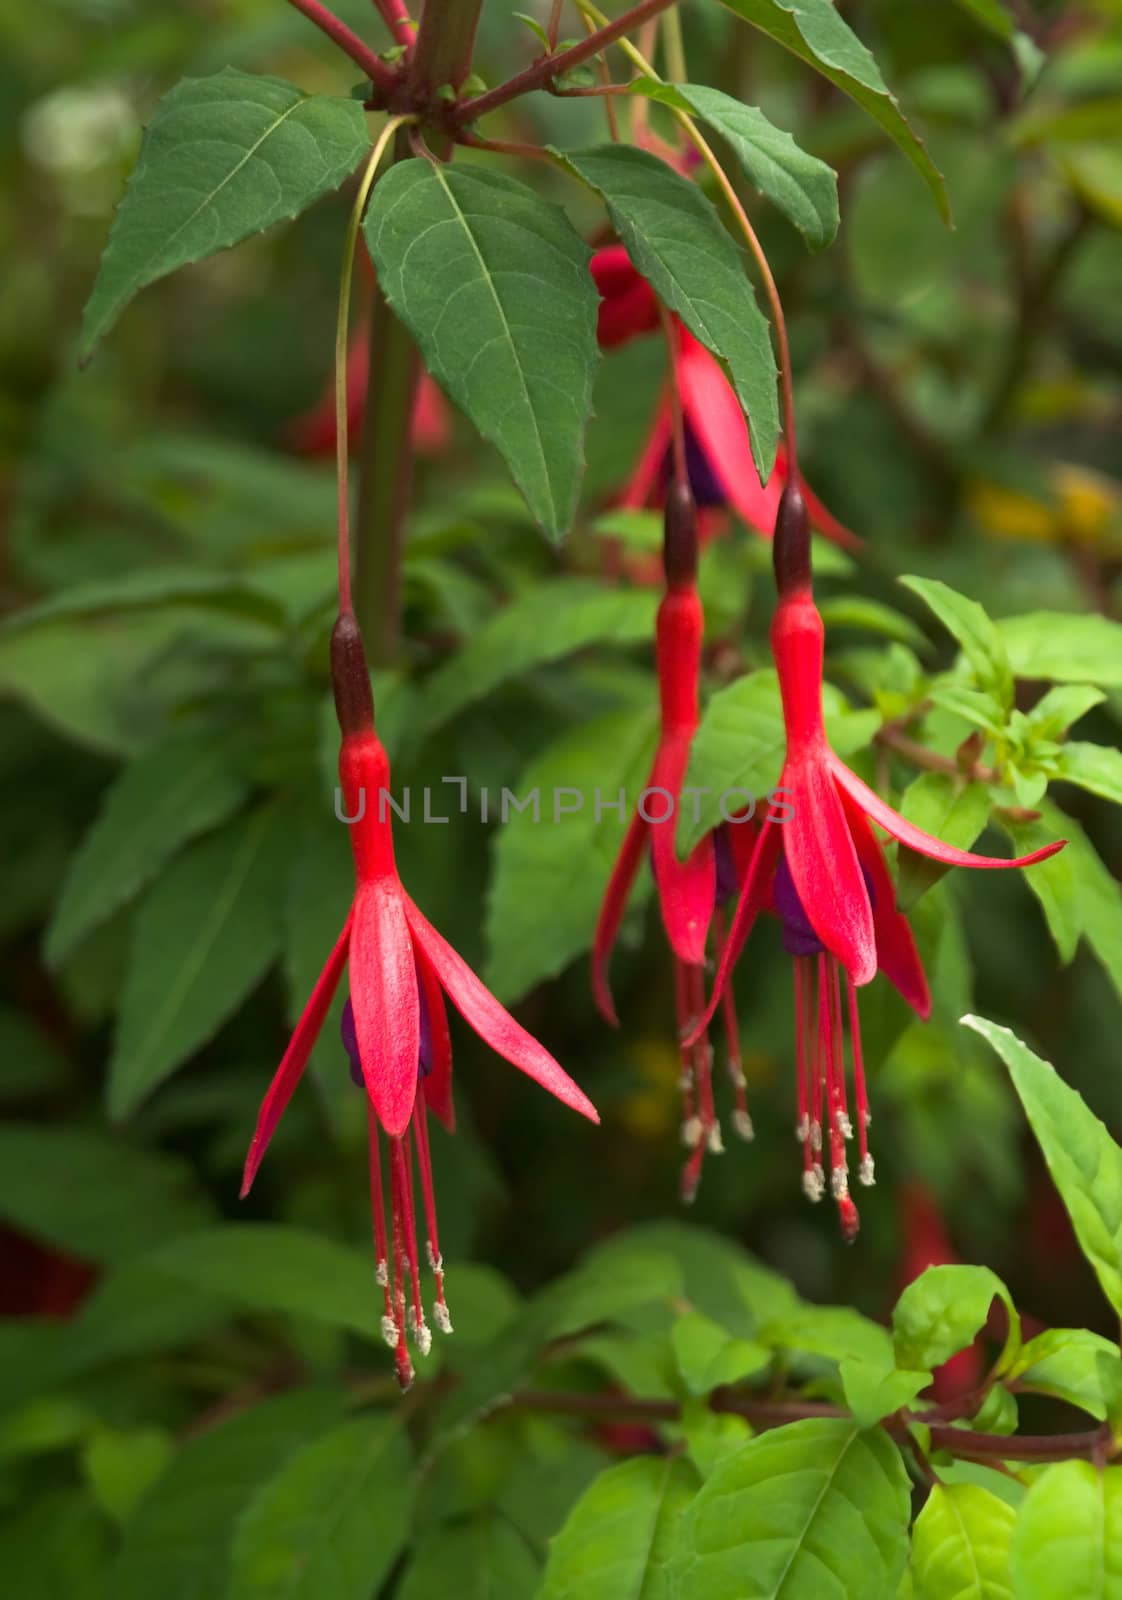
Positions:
{"x": 313, "y": 433}
{"x": 395, "y": 1029}
{"x": 687, "y": 890}
{"x": 718, "y": 450}
{"x": 822, "y": 870}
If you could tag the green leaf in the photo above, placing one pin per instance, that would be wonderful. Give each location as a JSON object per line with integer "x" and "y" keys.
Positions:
{"x": 1065, "y": 1363}
{"x": 178, "y": 1543}
{"x": 961, "y": 1545}
{"x": 992, "y": 14}
{"x": 1067, "y": 1544}
{"x": 676, "y": 239}
{"x": 802, "y": 187}
{"x": 707, "y": 1356}
{"x": 1081, "y": 648}
{"x": 815, "y": 32}
{"x": 92, "y": 1195}
{"x": 871, "y": 1392}
{"x": 493, "y": 283}
{"x": 270, "y": 1267}
{"x": 179, "y": 788}
{"x": 1085, "y": 1162}
{"x": 333, "y": 1520}
{"x": 622, "y": 1534}
{"x": 543, "y": 624}
{"x": 222, "y": 158}
{"x": 870, "y": 616}
{"x": 562, "y": 858}
{"x": 815, "y": 1507}
{"x": 982, "y": 642}
{"x": 944, "y": 1309}
{"x": 950, "y": 808}
{"x": 836, "y": 1333}
{"x": 1094, "y": 767}
{"x": 1077, "y": 893}
{"x": 152, "y": 589}
{"x": 478, "y": 1560}
{"x": 711, "y": 1437}
{"x": 56, "y": 1547}
{"x": 123, "y": 1466}
{"x": 1055, "y": 711}
{"x": 204, "y": 937}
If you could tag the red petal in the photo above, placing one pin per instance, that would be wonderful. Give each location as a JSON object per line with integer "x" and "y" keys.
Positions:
{"x": 824, "y": 868}
{"x": 686, "y": 889}
{"x": 612, "y": 908}
{"x": 897, "y": 956}
{"x": 384, "y": 996}
{"x": 437, "y": 1086}
{"x": 713, "y": 412}
{"x": 915, "y": 838}
{"x": 491, "y": 1021}
{"x": 295, "y": 1058}
{"x": 753, "y": 898}
{"x": 628, "y": 305}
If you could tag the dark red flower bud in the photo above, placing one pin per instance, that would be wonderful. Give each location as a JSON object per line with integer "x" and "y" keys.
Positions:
{"x": 679, "y": 536}
{"x": 790, "y": 551}
{"x": 350, "y": 677}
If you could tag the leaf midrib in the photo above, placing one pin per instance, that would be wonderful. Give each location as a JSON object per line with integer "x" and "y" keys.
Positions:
{"x": 826, "y": 1487}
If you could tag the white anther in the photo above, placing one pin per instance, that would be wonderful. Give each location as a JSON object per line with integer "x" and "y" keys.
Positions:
{"x": 816, "y": 1135}
{"x": 845, "y": 1127}
{"x": 389, "y": 1332}
{"x": 839, "y": 1183}
{"x": 742, "y": 1123}
{"x": 802, "y": 1129}
{"x": 691, "y": 1132}
{"x": 713, "y": 1141}
{"x": 739, "y": 1081}
{"x": 381, "y": 1274}
{"x": 441, "y": 1317}
{"x": 814, "y": 1185}
{"x": 422, "y": 1334}
{"x": 436, "y": 1261}
{"x": 865, "y": 1172}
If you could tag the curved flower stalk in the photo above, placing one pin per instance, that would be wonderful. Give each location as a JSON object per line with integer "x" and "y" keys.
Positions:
{"x": 687, "y": 891}
{"x": 396, "y": 1029}
{"x": 722, "y": 473}
{"x": 821, "y": 869}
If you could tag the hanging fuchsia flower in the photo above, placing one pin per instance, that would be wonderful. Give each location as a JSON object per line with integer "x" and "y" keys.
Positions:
{"x": 718, "y": 450}
{"x": 687, "y": 890}
{"x": 821, "y": 869}
{"x": 396, "y": 1029}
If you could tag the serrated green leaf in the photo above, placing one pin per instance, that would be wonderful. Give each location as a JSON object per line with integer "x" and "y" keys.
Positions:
{"x": 92, "y": 1195}
{"x": 204, "y": 937}
{"x": 1094, "y": 767}
{"x": 332, "y": 1521}
{"x": 981, "y": 641}
{"x": 817, "y": 1506}
{"x": 803, "y": 188}
{"x": 1065, "y": 648}
{"x": 1065, "y": 1363}
{"x": 961, "y": 1545}
{"x": 177, "y": 789}
{"x": 1085, "y": 1162}
{"x": 676, "y": 239}
{"x": 536, "y": 855}
{"x": 944, "y": 1309}
{"x": 178, "y": 1543}
{"x": 546, "y": 622}
{"x": 493, "y": 283}
{"x": 222, "y": 158}
{"x": 707, "y": 1356}
{"x": 476, "y": 1560}
{"x": 871, "y": 1392}
{"x": 622, "y": 1534}
{"x": 1067, "y": 1544}
{"x": 952, "y": 809}
{"x": 814, "y": 31}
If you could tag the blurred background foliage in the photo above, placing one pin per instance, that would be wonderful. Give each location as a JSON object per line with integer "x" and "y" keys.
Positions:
{"x": 167, "y": 573}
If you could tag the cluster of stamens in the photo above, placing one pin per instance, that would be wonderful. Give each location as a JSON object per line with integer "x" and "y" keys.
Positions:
{"x": 824, "y": 1128}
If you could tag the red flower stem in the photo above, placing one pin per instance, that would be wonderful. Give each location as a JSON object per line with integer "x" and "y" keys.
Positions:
{"x": 554, "y": 29}
{"x": 377, "y": 71}
{"x": 539, "y": 73}
{"x": 677, "y": 420}
{"x": 399, "y": 22}
{"x": 503, "y": 147}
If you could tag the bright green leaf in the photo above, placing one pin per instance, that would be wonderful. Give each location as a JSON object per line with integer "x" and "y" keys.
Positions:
{"x": 1064, "y": 704}
{"x": 676, "y": 239}
{"x": 871, "y": 1392}
{"x": 1067, "y": 1544}
{"x": 944, "y": 1309}
{"x": 708, "y": 1357}
{"x": 950, "y": 808}
{"x": 980, "y": 638}
{"x": 1063, "y": 647}
{"x": 222, "y": 158}
{"x": 1065, "y": 1363}
{"x": 1085, "y": 1162}
{"x": 622, "y": 1534}
{"x": 1094, "y": 767}
{"x": 961, "y": 1545}
{"x": 123, "y": 1466}
{"x": 493, "y": 283}
{"x": 814, "y": 31}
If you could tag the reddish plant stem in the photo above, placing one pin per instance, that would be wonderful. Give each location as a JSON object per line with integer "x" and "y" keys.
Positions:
{"x": 381, "y": 76}
{"x": 538, "y": 74}
{"x": 398, "y": 21}
{"x": 445, "y": 42}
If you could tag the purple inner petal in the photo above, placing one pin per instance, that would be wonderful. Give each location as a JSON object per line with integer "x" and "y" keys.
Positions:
{"x": 705, "y": 480}
{"x": 728, "y": 883}
{"x": 350, "y": 1040}
{"x": 799, "y": 937}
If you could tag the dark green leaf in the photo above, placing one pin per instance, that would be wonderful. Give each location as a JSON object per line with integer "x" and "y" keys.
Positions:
{"x": 222, "y": 158}
{"x": 333, "y": 1520}
{"x": 1067, "y": 1544}
{"x": 122, "y": 1466}
{"x": 814, "y": 31}
{"x": 57, "y": 1547}
{"x": 676, "y": 239}
{"x": 944, "y": 1309}
{"x": 1085, "y": 1162}
{"x": 622, "y": 1534}
{"x": 204, "y": 937}
{"x": 493, "y": 283}
{"x": 815, "y": 1507}
{"x": 92, "y": 1195}
{"x": 802, "y": 187}
{"x": 961, "y": 1545}
{"x": 179, "y": 788}
{"x": 477, "y": 1560}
